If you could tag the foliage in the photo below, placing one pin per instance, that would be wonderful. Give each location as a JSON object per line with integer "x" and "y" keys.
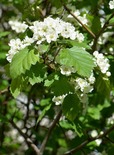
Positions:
{"x": 56, "y": 77}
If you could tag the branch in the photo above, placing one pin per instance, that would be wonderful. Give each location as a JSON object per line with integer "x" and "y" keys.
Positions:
{"x": 50, "y": 131}
{"x": 84, "y": 26}
{"x": 74, "y": 150}
{"x": 27, "y": 139}
{"x": 101, "y": 31}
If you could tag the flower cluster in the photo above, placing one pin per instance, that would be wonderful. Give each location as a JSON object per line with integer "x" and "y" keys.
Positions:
{"x": 16, "y": 45}
{"x": 102, "y": 62}
{"x": 51, "y": 29}
{"x": 111, "y": 4}
{"x": 18, "y": 26}
{"x": 83, "y": 87}
{"x": 48, "y": 30}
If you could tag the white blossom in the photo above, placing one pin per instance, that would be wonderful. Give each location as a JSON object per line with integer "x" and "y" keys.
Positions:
{"x": 83, "y": 85}
{"x": 94, "y": 133}
{"x": 111, "y": 4}
{"x": 67, "y": 70}
{"x": 59, "y": 99}
{"x": 16, "y": 45}
{"x": 91, "y": 79}
{"x": 83, "y": 18}
{"x": 79, "y": 36}
{"x": 51, "y": 29}
{"x": 27, "y": 41}
{"x": 110, "y": 120}
{"x": 102, "y": 62}
{"x": 18, "y": 26}
{"x": 48, "y": 30}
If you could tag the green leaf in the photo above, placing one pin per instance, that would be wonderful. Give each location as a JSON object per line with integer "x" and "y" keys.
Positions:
{"x": 22, "y": 61}
{"x": 17, "y": 85}
{"x": 2, "y": 55}
{"x": 79, "y": 44}
{"x": 45, "y": 102}
{"x": 96, "y": 21}
{"x": 44, "y": 112}
{"x": 50, "y": 79}
{"x": 4, "y": 34}
{"x": 61, "y": 86}
{"x": 77, "y": 57}
{"x": 103, "y": 86}
{"x": 36, "y": 74}
{"x": 70, "y": 125}
{"x": 71, "y": 106}
{"x": 94, "y": 112}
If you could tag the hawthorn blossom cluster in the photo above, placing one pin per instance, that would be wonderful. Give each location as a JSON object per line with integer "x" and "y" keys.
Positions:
{"x": 16, "y": 45}
{"x": 48, "y": 30}
{"x": 18, "y": 26}
{"x": 102, "y": 63}
{"x": 51, "y": 29}
{"x": 82, "y": 88}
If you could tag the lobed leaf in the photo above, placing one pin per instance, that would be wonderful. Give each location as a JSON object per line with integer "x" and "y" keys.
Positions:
{"x": 36, "y": 74}
{"x": 61, "y": 86}
{"x": 22, "y": 61}
{"x": 71, "y": 106}
{"x": 17, "y": 85}
{"x": 77, "y": 57}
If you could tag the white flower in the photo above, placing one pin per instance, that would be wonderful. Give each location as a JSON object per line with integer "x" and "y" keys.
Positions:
{"x": 98, "y": 141}
{"x": 16, "y": 45}
{"x": 94, "y": 133}
{"x": 110, "y": 120}
{"x": 28, "y": 41}
{"x": 91, "y": 79}
{"x": 18, "y": 26}
{"x": 67, "y": 70}
{"x": 51, "y": 29}
{"x": 111, "y": 4}
{"x": 79, "y": 36}
{"x": 10, "y": 55}
{"x": 102, "y": 62}
{"x": 83, "y": 85}
{"x": 51, "y": 36}
{"x": 83, "y": 18}
{"x": 58, "y": 99}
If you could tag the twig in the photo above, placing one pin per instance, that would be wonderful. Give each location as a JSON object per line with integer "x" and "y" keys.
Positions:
{"x": 50, "y": 131}
{"x": 28, "y": 140}
{"x": 79, "y": 147}
{"x": 101, "y": 31}
{"x": 110, "y": 140}
{"x": 84, "y": 26}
